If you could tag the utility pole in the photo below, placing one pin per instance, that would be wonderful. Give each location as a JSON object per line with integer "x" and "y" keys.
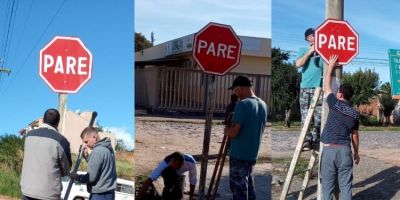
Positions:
{"x": 334, "y": 10}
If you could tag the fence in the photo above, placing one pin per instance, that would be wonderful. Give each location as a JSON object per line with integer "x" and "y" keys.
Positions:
{"x": 180, "y": 89}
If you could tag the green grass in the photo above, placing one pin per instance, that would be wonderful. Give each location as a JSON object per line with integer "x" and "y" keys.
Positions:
{"x": 9, "y": 184}
{"x": 125, "y": 169}
{"x": 11, "y": 154}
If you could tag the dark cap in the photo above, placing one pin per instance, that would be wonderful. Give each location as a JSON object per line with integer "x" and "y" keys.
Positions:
{"x": 308, "y": 32}
{"x": 241, "y": 81}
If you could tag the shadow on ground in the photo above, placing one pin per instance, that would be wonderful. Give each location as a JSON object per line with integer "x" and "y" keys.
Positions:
{"x": 384, "y": 185}
{"x": 262, "y": 184}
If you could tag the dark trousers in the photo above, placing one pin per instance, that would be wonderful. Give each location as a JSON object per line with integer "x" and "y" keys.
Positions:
{"x": 173, "y": 184}
{"x": 240, "y": 179}
{"x": 102, "y": 196}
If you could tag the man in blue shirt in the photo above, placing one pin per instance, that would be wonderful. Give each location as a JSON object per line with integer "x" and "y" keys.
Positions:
{"x": 340, "y": 131}
{"x": 311, "y": 66}
{"x": 248, "y": 123}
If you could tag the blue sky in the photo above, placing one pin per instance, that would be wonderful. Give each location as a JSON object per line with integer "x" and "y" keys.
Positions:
{"x": 106, "y": 28}
{"x": 173, "y": 19}
{"x": 375, "y": 21}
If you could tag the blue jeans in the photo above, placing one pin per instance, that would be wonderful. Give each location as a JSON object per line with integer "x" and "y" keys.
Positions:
{"x": 102, "y": 196}
{"x": 336, "y": 167}
{"x": 240, "y": 179}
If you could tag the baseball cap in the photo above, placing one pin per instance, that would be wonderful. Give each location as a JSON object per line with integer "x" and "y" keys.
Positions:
{"x": 241, "y": 81}
{"x": 308, "y": 32}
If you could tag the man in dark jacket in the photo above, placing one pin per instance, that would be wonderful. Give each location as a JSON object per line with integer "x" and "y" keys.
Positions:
{"x": 101, "y": 177}
{"x": 47, "y": 158}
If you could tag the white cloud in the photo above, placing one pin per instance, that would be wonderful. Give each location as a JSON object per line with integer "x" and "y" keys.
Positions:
{"x": 124, "y": 134}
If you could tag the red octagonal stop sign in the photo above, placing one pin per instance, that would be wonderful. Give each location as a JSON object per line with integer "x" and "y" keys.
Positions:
{"x": 217, "y": 48}
{"x": 65, "y": 64}
{"x": 336, "y": 37}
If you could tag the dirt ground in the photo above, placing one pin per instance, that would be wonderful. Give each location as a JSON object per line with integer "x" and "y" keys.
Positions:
{"x": 157, "y": 137}
{"x": 6, "y": 198}
{"x": 377, "y": 177}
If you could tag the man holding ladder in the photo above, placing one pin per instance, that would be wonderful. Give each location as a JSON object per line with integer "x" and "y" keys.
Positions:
{"x": 248, "y": 123}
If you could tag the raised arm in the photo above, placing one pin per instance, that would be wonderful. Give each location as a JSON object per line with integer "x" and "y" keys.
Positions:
{"x": 328, "y": 75}
{"x": 300, "y": 62}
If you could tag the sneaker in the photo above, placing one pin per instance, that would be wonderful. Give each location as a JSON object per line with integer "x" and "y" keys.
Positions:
{"x": 307, "y": 146}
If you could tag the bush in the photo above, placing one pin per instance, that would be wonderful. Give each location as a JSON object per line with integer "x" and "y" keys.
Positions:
{"x": 369, "y": 121}
{"x": 11, "y": 158}
{"x": 11, "y": 153}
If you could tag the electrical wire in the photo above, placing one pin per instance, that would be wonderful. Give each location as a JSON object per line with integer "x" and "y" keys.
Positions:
{"x": 34, "y": 46}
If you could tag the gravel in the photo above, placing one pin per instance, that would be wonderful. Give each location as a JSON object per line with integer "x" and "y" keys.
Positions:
{"x": 377, "y": 177}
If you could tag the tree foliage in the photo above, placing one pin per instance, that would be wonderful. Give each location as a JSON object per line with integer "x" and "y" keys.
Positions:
{"x": 120, "y": 145}
{"x": 387, "y": 103}
{"x": 364, "y": 83}
{"x": 141, "y": 42}
{"x": 285, "y": 82}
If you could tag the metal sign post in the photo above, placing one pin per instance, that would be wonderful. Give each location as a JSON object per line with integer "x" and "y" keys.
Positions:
{"x": 62, "y": 109}
{"x": 216, "y": 49}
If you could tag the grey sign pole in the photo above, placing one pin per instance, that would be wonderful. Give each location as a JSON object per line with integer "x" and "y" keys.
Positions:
{"x": 210, "y": 93}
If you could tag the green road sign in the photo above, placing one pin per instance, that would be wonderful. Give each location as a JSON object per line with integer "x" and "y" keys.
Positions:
{"x": 394, "y": 62}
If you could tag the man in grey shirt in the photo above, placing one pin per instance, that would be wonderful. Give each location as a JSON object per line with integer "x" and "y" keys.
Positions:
{"x": 47, "y": 158}
{"x": 101, "y": 176}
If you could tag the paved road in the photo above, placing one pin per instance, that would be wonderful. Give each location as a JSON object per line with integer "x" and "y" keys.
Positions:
{"x": 377, "y": 177}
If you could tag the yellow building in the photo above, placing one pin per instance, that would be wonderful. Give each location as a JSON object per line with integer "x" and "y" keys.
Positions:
{"x": 168, "y": 78}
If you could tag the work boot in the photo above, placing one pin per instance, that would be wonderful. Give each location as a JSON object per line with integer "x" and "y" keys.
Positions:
{"x": 307, "y": 145}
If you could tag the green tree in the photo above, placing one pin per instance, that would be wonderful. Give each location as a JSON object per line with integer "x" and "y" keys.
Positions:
{"x": 141, "y": 42}
{"x": 364, "y": 83}
{"x": 120, "y": 145}
{"x": 387, "y": 103}
{"x": 285, "y": 84}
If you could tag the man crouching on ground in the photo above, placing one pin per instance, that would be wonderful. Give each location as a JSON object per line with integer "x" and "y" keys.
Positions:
{"x": 101, "y": 177}
{"x": 340, "y": 131}
{"x": 172, "y": 170}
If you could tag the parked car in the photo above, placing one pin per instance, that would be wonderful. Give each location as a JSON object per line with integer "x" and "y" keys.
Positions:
{"x": 124, "y": 191}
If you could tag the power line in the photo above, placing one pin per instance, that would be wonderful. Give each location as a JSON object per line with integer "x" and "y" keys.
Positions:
{"x": 6, "y": 37}
{"x": 22, "y": 32}
{"x": 7, "y": 11}
{"x": 34, "y": 46}
{"x": 8, "y": 31}
{"x": 11, "y": 30}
